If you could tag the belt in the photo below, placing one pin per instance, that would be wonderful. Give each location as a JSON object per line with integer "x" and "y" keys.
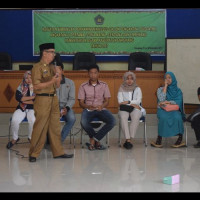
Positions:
{"x": 46, "y": 95}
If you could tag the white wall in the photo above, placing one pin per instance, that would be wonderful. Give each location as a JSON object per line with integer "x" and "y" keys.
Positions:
{"x": 183, "y": 58}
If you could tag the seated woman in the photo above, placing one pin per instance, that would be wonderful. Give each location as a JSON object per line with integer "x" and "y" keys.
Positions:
{"x": 170, "y": 123}
{"x": 130, "y": 94}
{"x": 25, "y": 97}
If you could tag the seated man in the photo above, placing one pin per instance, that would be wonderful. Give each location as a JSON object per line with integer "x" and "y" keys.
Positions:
{"x": 66, "y": 97}
{"x": 94, "y": 97}
{"x": 194, "y": 118}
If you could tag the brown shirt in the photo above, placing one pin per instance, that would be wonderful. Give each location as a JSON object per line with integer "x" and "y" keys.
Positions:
{"x": 42, "y": 73}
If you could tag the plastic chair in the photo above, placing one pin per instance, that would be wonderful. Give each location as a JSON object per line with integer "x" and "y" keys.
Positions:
{"x": 140, "y": 60}
{"x": 82, "y": 60}
{"x": 143, "y": 120}
{"x": 62, "y": 121}
{"x": 96, "y": 123}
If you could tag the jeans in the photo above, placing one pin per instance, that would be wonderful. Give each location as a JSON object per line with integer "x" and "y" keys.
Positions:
{"x": 196, "y": 126}
{"x": 70, "y": 120}
{"x": 104, "y": 115}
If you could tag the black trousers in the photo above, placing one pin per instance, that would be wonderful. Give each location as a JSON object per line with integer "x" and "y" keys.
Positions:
{"x": 195, "y": 124}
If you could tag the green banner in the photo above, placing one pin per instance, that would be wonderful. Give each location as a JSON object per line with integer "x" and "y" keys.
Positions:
{"x": 101, "y": 32}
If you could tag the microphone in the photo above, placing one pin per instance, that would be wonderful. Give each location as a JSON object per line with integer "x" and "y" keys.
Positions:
{"x": 55, "y": 64}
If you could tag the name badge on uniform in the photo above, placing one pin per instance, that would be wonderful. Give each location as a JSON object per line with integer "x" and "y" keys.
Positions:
{"x": 45, "y": 71}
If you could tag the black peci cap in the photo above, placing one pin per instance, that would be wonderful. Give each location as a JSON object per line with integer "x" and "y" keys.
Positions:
{"x": 47, "y": 46}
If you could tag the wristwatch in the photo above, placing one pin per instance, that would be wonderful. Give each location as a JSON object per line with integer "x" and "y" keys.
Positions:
{"x": 129, "y": 102}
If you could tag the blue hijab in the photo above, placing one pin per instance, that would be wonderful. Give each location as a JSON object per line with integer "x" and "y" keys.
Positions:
{"x": 174, "y": 93}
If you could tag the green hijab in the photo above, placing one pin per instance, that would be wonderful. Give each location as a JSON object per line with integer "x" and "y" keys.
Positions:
{"x": 174, "y": 93}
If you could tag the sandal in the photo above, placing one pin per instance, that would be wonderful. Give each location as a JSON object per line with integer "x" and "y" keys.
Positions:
{"x": 99, "y": 146}
{"x": 90, "y": 146}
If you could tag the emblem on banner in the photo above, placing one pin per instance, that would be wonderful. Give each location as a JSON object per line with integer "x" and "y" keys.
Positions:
{"x": 99, "y": 20}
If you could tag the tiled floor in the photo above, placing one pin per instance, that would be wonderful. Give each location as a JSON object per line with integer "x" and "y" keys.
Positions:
{"x": 115, "y": 169}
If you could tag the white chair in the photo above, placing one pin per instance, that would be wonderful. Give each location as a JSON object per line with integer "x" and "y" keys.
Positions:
{"x": 96, "y": 123}
{"x": 143, "y": 120}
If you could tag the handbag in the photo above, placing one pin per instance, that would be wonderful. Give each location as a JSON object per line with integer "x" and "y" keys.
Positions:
{"x": 170, "y": 107}
{"x": 126, "y": 108}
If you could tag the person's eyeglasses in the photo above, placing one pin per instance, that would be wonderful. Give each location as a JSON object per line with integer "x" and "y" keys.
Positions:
{"x": 53, "y": 52}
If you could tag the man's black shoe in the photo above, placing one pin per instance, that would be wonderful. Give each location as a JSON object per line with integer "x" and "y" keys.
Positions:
{"x": 32, "y": 159}
{"x": 65, "y": 156}
{"x": 197, "y": 145}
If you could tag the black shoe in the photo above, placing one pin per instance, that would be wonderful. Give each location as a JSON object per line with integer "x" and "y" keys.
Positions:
{"x": 65, "y": 156}
{"x": 32, "y": 159}
{"x": 197, "y": 145}
{"x": 29, "y": 140}
{"x": 125, "y": 145}
{"x": 10, "y": 144}
{"x": 128, "y": 145}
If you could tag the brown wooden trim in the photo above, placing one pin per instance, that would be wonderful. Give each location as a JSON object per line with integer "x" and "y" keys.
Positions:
{"x": 149, "y": 81}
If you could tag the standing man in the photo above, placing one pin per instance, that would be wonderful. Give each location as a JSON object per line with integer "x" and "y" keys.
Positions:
{"x": 94, "y": 97}
{"x": 46, "y": 106}
{"x": 66, "y": 97}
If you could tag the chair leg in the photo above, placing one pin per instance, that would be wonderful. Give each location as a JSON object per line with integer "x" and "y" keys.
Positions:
{"x": 73, "y": 138}
{"x": 185, "y": 134}
{"x": 9, "y": 132}
{"x": 119, "y": 139}
{"x": 145, "y": 134}
{"x": 107, "y": 139}
{"x": 81, "y": 136}
{"x": 82, "y": 132}
{"x": 70, "y": 135}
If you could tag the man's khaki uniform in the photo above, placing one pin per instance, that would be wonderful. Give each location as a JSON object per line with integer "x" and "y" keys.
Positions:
{"x": 47, "y": 113}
